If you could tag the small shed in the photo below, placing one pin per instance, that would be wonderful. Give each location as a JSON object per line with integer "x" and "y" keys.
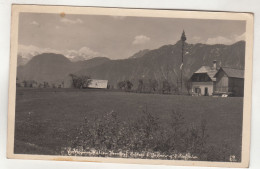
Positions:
{"x": 230, "y": 80}
{"x": 98, "y": 84}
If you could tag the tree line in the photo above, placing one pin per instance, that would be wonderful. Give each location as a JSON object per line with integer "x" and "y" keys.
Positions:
{"x": 35, "y": 84}
{"x": 79, "y": 82}
{"x": 140, "y": 86}
{"x": 153, "y": 86}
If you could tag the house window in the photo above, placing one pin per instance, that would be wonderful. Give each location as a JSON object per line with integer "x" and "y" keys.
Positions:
{"x": 197, "y": 90}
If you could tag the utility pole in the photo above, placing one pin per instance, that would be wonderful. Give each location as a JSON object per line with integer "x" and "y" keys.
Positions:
{"x": 183, "y": 39}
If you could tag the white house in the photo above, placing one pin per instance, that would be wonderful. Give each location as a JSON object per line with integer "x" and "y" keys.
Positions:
{"x": 203, "y": 81}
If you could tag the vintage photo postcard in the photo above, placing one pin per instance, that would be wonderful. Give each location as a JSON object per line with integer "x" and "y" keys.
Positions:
{"x": 141, "y": 86}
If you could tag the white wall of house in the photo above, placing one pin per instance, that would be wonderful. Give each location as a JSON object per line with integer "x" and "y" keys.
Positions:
{"x": 202, "y": 86}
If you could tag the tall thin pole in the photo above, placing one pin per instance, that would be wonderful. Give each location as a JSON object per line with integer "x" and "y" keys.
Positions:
{"x": 183, "y": 39}
{"x": 182, "y": 62}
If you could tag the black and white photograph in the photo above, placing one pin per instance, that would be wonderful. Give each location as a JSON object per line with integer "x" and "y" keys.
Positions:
{"x": 156, "y": 86}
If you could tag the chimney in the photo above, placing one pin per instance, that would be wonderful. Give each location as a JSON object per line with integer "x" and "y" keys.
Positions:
{"x": 214, "y": 64}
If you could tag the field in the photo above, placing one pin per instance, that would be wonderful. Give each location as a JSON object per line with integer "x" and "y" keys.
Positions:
{"x": 46, "y": 119}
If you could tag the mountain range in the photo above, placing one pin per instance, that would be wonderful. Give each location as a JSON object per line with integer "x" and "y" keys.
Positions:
{"x": 162, "y": 63}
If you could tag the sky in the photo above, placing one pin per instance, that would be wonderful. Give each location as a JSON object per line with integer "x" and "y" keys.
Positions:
{"x": 81, "y": 37}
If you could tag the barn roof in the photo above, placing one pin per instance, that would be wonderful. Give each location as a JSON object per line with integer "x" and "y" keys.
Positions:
{"x": 209, "y": 70}
{"x": 96, "y": 83}
{"x": 231, "y": 72}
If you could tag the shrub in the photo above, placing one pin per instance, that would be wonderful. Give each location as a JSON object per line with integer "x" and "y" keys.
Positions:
{"x": 146, "y": 137}
{"x": 79, "y": 81}
{"x": 125, "y": 85}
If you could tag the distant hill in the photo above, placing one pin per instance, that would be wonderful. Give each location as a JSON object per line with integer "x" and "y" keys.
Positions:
{"x": 162, "y": 63}
{"x": 139, "y": 54}
{"x": 91, "y": 62}
{"x": 45, "y": 67}
{"x": 53, "y": 68}
{"x": 21, "y": 61}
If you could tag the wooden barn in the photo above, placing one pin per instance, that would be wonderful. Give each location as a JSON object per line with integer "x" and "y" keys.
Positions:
{"x": 229, "y": 81}
{"x": 203, "y": 81}
{"x": 98, "y": 84}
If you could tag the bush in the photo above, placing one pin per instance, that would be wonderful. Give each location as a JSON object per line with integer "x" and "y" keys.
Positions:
{"x": 125, "y": 85}
{"x": 146, "y": 137}
{"x": 79, "y": 81}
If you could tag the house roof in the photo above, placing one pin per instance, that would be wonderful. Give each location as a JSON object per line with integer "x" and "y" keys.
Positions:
{"x": 231, "y": 72}
{"x": 96, "y": 83}
{"x": 209, "y": 70}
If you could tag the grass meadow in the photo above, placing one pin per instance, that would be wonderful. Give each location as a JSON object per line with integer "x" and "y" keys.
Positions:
{"x": 47, "y": 120}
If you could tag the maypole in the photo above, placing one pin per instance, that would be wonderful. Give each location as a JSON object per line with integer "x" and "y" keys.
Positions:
{"x": 183, "y": 39}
